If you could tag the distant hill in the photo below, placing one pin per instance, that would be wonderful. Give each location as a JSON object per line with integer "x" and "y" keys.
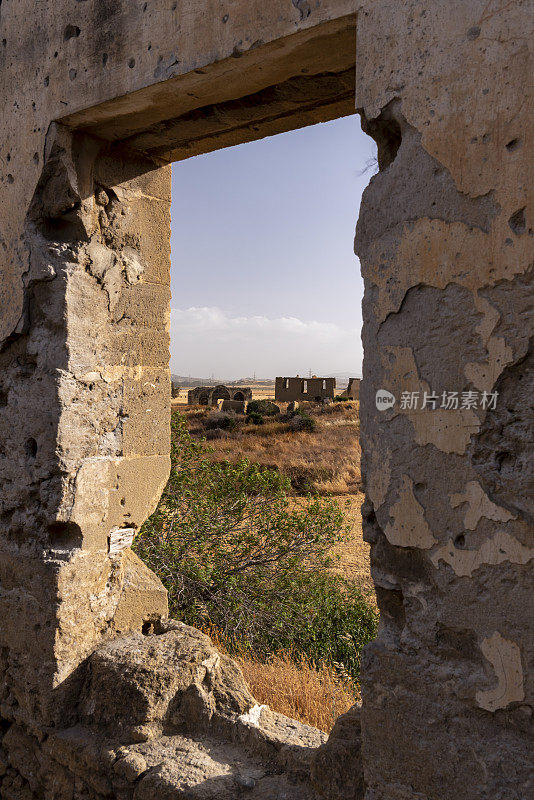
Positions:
{"x": 187, "y": 380}
{"x": 342, "y": 379}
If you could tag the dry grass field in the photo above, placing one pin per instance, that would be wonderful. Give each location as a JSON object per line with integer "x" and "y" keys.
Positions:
{"x": 314, "y": 695}
{"x": 325, "y": 461}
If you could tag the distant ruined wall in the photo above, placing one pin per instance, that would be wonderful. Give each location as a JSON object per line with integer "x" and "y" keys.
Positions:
{"x": 98, "y": 97}
{"x": 445, "y": 238}
{"x": 353, "y": 389}
{"x": 288, "y": 389}
{"x": 210, "y": 395}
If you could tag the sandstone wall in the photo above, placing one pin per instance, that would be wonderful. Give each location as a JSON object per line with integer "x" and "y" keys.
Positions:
{"x": 84, "y": 293}
{"x": 98, "y": 97}
{"x": 445, "y": 241}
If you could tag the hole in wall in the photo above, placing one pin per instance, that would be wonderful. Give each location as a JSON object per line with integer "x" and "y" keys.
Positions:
{"x": 517, "y": 222}
{"x": 65, "y": 535}
{"x": 153, "y": 627}
{"x": 386, "y": 130}
{"x": 71, "y": 32}
{"x": 30, "y": 448}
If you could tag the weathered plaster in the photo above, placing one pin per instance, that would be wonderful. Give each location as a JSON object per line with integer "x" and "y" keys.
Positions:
{"x": 409, "y": 527}
{"x": 505, "y": 658}
{"x": 98, "y": 98}
{"x": 501, "y": 547}
{"x": 478, "y": 505}
{"x": 444, "y": 239}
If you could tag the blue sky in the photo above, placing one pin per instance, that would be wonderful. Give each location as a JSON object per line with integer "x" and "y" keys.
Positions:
{"x": 264, "y": 277}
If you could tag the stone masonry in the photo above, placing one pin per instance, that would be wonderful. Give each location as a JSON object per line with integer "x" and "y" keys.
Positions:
{"x": 210, "y": 395}
{"x": 297, "y": 388}
{"x": 100, "y": 695}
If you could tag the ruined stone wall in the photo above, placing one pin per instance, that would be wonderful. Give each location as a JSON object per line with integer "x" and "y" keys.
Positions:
{"x": 288, "y": 389}
{"x": 353, "y": 389}
{"x": 84, "y": 295}
{"x": 445, "y": 240}
{"x": 210, "y": 395}
{"x": 86, "y": 417}
{"x": 443, "y": 237}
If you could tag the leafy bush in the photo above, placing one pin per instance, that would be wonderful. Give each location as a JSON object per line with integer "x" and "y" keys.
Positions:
{"x": 300, "y": 421}
{"x": 264, "y": 407}
{"x": 236, "y": 555}
{"x": 339, "y": 398}
{"x": 254, "y": 418}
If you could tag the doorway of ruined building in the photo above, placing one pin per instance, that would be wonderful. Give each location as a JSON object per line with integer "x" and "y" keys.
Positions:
{"x": 206, "y": 186}
{"x": 122, "y": 152}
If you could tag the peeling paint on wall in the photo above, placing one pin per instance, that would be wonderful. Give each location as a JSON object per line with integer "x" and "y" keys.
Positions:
{"x": 409, "y": 527}
{"x": 505, "y": 658}
{"x": 500, "y": 548}
{"x": 479, "y": 505}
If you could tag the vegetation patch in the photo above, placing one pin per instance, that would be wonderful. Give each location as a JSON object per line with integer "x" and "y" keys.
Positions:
{"x": 323, "y": 461}
{"x": 238, "y": 556}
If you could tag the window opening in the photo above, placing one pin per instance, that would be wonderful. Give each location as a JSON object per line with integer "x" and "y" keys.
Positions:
{"x": 241, "y": 316}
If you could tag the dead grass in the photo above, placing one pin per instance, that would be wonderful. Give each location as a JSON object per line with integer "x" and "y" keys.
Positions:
{"x": 315, "y": 695}
{"x": 353, "y": 560}
{"x": 325, "y": 461}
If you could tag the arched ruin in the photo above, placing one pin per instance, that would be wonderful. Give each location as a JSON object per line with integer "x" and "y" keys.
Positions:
{"x": 98, "y": 99}
{"x": 210, "y": 395}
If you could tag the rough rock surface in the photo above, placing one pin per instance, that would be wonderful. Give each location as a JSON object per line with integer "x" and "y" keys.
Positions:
{"x": 445, "y": 242}
{"x": 98, "y": 98}
{"x": 163, "y": 715}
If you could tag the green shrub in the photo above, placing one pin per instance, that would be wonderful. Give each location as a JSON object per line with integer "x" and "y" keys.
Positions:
{"x": 300, "y": 421}
{"x": 254, "y": 418}
{"x": 264, "y": 407}
{"x": 237, "y": 556}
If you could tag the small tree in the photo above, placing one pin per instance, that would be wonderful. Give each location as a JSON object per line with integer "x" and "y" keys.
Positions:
{"x": 264, "y": 407}
{"x": 237, "y": 555}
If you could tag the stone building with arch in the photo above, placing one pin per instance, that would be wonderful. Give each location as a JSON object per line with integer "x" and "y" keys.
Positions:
{"x": 210, "y": 395}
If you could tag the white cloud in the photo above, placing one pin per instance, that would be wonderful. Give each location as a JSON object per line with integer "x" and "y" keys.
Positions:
{"x": 206, "y": 340}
